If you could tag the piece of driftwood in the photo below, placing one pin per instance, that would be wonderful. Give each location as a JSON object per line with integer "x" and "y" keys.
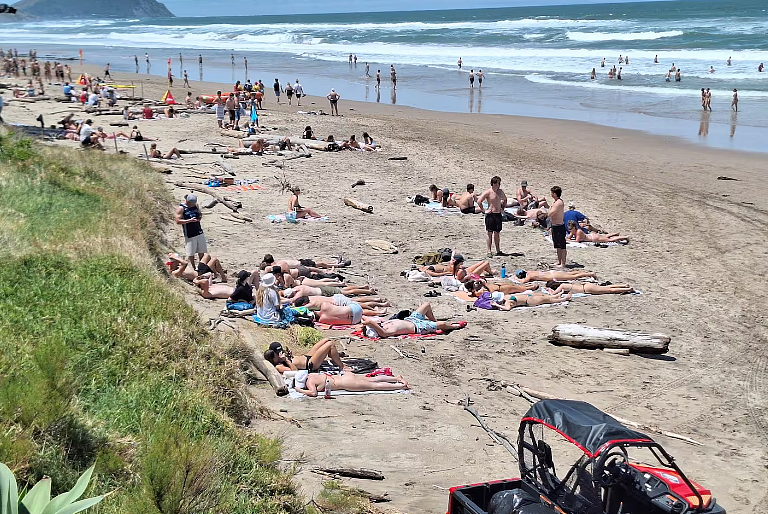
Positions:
{"x": 30, "y": 100}
{"x": 357, "y": 204}
{"x": 211, "y": 204}
{"x": 362, "y": 473}
{"x": 382, "y": 245}
{"x": 234, "y": 220}
{"x": 398, "y": 159}
{"x": 255, "y": 357}
{"x": 533, "y": 396}
{"x": 497, "y": 438}
{"x": 118, "y": 124}
{"x": 241, "y": 217}
{"x": 233, "y": 206}
{"x": 360, "y": 182}
{"x": 582, "y": 336}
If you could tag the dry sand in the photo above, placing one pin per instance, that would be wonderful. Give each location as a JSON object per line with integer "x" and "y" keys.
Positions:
{"x": 697, "y": 253}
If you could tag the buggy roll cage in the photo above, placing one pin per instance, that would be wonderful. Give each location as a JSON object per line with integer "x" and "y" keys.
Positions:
{"x": 541, "y": 460}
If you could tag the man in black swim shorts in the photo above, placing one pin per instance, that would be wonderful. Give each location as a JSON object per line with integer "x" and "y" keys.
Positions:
{"x": 558, "y": 226}
{"x": 497, "y": 202}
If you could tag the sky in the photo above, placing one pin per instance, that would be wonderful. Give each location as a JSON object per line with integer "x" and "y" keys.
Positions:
{"x": 200, "y": 8}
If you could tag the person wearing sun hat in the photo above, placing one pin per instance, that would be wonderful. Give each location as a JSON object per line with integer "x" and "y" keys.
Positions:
{"x": 267, "y": 300}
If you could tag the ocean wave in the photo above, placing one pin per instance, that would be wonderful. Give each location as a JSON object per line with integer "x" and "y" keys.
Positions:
{"x": 671, "y": 89}
{"x": 593, "y": 37}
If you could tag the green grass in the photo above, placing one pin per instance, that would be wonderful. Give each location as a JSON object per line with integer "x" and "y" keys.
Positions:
{"x": 101, "y": 359}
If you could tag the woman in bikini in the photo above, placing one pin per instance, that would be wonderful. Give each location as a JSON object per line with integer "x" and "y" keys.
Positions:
{"x": 588, "y": 288}
{"x": 529, "y": 299}
{"x": 457, "y": 269}
{"x": 301, "y": 212}
{"x": 313, "y": 383}
{"x": 283, "y": 360}
{"x": 477, "y": 287}
{"x": 576, "y": 233}
{"x": 543, "y": 276}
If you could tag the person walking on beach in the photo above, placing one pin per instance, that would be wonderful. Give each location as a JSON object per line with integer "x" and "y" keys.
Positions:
{"x": 555, "y": 214}
{"x": 188, "y": 215}
{"x": 497, "y": 202}
{"x": 459, "y": 63}
{"x": 289, "y": 92}
{"x": 186, "y": 80}
{"x": 378, "y": 79}
{"x": 146, "y": 58}
{"x": 299, "y": 90}
{"x": 472, "y": 78}
{"x": 393, "y": 76}
{"x": 136, "y": 61}
{"x": 106, "y": 72}
{"x": 333, "y": 97}
{"x": 277, "y": 89}
{"x": 708, "y": 104}
{"x": 735, "y": 101}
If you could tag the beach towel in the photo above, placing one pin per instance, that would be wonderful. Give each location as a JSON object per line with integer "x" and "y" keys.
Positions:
{"x": 326, "y": 326}
{"x": 438, "y": 208}
{"x": 279, "y": 218}
{"x": 295, "y": 395}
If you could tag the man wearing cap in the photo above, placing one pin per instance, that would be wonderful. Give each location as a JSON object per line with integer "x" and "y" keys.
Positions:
{"x": 188, "y": 215}
{"x": 333, "y": 97}
{"x": 573, "y": 215}
{"x": 525, "y": 195}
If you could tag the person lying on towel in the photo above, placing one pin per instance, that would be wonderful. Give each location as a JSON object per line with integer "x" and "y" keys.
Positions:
{"x": 283, "y": 360}
{"x": 311, "y": 384}
{"x": 420, "y": 322}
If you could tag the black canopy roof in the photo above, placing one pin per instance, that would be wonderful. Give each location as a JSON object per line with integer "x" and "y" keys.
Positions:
{"x": 583, "y": 424}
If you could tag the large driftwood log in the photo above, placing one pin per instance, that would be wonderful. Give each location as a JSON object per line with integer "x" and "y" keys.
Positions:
{"x": 233, "y": 206}
{"x": 255, "y": 357}
{"x": 590, "y": 337}
{"x": 367, "y": 474}
{"x": 358, "y": 205}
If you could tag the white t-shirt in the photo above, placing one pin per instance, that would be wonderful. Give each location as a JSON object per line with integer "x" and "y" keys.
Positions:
{"x": 85, "y": 132}
{"x": 268, "y": 311}
{"x": 299, "y": 89}
{"x": 93, "y": 99}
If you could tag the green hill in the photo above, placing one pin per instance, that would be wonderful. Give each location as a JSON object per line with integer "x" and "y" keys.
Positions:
{"x": 57, "y": 9}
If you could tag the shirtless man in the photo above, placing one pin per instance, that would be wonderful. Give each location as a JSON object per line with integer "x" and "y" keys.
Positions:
{"x": 577, "y": 233}
{"x": 333, "y": 98}
{"x": 311, "y": 384}
{"x": 467, "y": 202}
{"x": 421, "y": 321}
{"x": 555, "y": 214}
{"x": 532, "y": 214}
{"x": 269, "y": 260}
{"x": 524, "y": 195}
{"x": 208, "y": 265}
{"x": 533, "y": 275}
{"x": 497, "y": 201}
{"x": 301, "y": 212}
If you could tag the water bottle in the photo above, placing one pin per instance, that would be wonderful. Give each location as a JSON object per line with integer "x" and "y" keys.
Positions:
{"x": 504, "y": 270}
{"x": 328, "y": 388}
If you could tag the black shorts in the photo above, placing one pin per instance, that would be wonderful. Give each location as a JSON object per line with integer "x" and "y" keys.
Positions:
{"x": 203, "y": 268}
{"x": 231, "y": 115}
{"x": 468, "y": 210}
{"x": 558, "y": 236}
{"x": 308, "y": 262}
{"x": 87, "y": 142}
{"x": 493, "y": 222}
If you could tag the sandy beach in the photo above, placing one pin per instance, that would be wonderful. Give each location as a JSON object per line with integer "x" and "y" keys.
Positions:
{"x": 695, "y": 253}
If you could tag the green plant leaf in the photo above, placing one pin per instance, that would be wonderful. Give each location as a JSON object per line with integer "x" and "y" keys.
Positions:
{"x": 9, "y": 491}
{"x": 80, "y": 505}
{"x": 38, "y": 497}
{"x": 64, "y": 499}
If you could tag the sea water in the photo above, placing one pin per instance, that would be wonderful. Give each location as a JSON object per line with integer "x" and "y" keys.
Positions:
{"x": 536, "y": 60}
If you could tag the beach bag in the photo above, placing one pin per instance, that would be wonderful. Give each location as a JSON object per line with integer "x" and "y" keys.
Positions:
{"x": 484, "y": 301}
{"x": 417, "y": 276}
{"x": 420, "y": 200}
{"x": 445, "y": 254}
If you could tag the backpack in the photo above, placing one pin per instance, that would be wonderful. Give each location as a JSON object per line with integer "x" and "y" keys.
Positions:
{"x": 420, "y": 200}
{"x": 445, "y": 254}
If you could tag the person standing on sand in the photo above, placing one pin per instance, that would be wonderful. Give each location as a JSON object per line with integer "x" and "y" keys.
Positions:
{"x": 459, "y": 63}
{"x": 735, "y": 101}
{"x": 219, "y": 105}
{"x": 299, "y": 90}
{"x": 555, "y": 214}
{"x": 188, "y": 215}
{"x": 333, "y": 97}
{"x": 277, "y": 88}
{"x": 497, "y": 202}
{"x": 186, "y": 80}
{"x": 106, "y": 72}
{"x": 136, "y": 61}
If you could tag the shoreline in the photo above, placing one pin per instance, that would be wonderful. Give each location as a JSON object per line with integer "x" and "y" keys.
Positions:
{"x": 721, "y": 129}
{"x": 691, "y": 240}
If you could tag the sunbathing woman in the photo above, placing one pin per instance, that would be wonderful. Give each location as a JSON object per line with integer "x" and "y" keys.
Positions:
{"x": 315, "y": 303}
{"x": 588, "y": 288}
{"x": 313, "y": 383}
{"x": 421, "y": 321}
{"x": 522, "y": 300}
{"x": 544, "y": 276}
{"x": 477, "y": 287}
{"x": 327, "y": 290}
{"x": 213, "y": 291}
{"x": 157, "y": 154}
{"x": 475, "y": 271}
{"x": 208, "y": 265}
{"x": 103, "y": 135}
{"x": 256, "y": 148}
{"x": 283, "y": 360}
{"x": 301, "y": 212}
{"x": 576, "y": 233}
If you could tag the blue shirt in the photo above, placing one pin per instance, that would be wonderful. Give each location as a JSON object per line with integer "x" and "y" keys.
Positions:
{"x": 67, "y": 90}
{"x": 575, "y": 216}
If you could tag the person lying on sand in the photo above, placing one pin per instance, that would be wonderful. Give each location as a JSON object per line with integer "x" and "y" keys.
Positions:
{"x": 311, "y": 384}
{"x": 136, "y": 135}
{"x": 497, "y": 301}
{"x": 212, "y": 291}
{"x": 588, "y": 288}
{"x": 208, "y": 265}
{"x": 436, "y": 192}
{"x": 283, "y": 360}
{"x": 344, "y": 311}
{"x": 104, "y": 136}
{"x": 421, "y": 321}
{"x": 576, "y": 233}
{"x": 531, "y": 214}
{"x": 533, "y": 275}
{"x": 327, "y": 290}
{"x": 157, "y": 154}
{"x": 314, "y": 303}
{"x": 457, "y": 269}
{"x": 477, "y": 287}
{"x": 312, "y": 264}
{"x": 301, "y": 212}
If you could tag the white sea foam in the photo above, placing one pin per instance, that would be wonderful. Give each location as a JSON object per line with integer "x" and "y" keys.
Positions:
{"x": 620, "y": 36}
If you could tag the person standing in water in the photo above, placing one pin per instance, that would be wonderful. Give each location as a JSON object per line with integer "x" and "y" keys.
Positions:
{"x": 594, "y": 74}
{"x": 459, "y": 63}
{"x": 245, "y": 62}
{"x": 393, "y": 76}
{"x": 472, "y": 78}
{"x": 602, "y": 64}
{"x": 480, "y": 78}
{"x": 146, "y": 58}
{"x": 708, "y": 104}
{"x": 656, "y": 59}
{"x": 618, "y": 75}
{"x": 136, "y": 61}
{"x": 728, "y": 62}
{"x": 378, "y": 79}
{"x": 367, "y": 70}
{"x": 232, "y": 58}
{"x": 735, "y": 101}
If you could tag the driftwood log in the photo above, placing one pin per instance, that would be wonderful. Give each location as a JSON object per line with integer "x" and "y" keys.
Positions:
{"x": 233, "y": 206}
{"x": 366, "y": 474}
{"x": 358, "y": 205}
{"x": 255, "y": 357}
{"x": 582, "y": 336}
